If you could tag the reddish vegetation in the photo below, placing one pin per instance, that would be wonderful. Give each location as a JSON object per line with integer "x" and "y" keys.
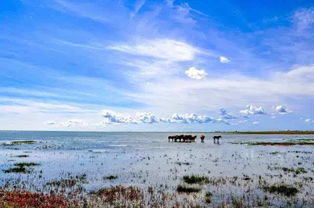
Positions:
{"x": 24, "y": 199}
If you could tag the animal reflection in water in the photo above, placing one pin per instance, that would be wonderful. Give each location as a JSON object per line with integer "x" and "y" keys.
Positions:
{"x": 216, "y": 138}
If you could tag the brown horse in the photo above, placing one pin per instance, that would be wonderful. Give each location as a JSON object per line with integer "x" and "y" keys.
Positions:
{"x": 202, "y": 138}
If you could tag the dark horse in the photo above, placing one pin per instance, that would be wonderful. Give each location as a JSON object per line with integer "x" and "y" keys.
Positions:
{"x": 202, "y": 138}
{"x": 216, "y": 137}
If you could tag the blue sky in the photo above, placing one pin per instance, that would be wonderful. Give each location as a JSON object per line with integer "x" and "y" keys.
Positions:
{"x": 140, "y": 65}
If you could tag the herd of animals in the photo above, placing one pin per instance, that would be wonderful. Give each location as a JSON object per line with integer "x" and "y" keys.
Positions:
{"x": 190, "y": 138}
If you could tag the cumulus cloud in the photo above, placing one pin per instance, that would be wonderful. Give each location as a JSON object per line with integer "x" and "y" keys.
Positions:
{"x": 189, "y": 118}
{"x": 224, "y": 59}
{"x": 112, "y": 117}
{"x": 166, "y": 49}
{"x": 146, "y": 118}
{"x": 253, "y": 110}
{"x": 281, "y": 109}
{"x": 195, "y": 73}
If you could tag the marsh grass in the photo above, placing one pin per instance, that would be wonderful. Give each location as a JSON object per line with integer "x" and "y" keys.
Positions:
{"x": 208, "y": 197}
{"x": 195, "y": 179}
{"x": 22, "y": 156}
{"x": 68, "y": 182}
{"x": 26, "y": 164}
{"x": 62, "y": 183}
{"x": 188, "y": 189}
{"x": 282, "y": 189}
{"x": 296, "y": 171}
{"x": 110, "y": 177}
{"x": 19, "y": 142}
{"x": 22, "y": 167}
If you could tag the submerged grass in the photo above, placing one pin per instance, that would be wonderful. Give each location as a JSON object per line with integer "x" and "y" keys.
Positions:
{"x": 22, "y": 167}
{"x": 208, "y": 197}
{"x": 110, "y": 177}
{"x": 19, "y": 142}
{"x": 296, "y": 171}
{"x": 188, "y": 189}
{"x": 282, "y": 189}
{"x": 22, "y": 156}
{"x": 195, "y": 179}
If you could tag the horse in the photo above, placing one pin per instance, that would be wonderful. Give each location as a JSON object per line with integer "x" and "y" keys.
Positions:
{"x": 216, "y": 137}
{"x": 202, "y": 138}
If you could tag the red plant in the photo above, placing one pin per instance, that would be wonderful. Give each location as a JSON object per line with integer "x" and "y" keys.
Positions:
{"x": 24, "y": 199}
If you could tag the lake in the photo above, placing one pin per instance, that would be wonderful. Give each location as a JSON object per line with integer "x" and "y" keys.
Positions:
{"x": 107, "y": 159}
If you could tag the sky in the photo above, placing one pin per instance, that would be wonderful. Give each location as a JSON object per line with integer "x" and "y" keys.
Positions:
{"x": 148, "y": 65}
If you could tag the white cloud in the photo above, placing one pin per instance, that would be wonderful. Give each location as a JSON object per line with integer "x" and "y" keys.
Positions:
{"x": 195, "y": 73}
{"x": 224, "y": 59}
{"x": 166, "y": 49}
{"x": 74, "y": 123}
{"x": 253, "y": 110}
{"x": 112, "y": 117}
{"x": 303, "y": 18}
{"x": 281, "y": 109}
{"x": 308, "y": 120}
{"x": 168, "y": 94}
{"x": 148, "y": 118}
{"x": 255, "y": 122}
{"x": 225, "y": 115}
{"x": 51, "y": 123}
{"x": 189, "y": 118}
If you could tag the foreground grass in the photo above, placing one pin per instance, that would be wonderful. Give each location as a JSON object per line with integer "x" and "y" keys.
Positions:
{"x": 295, "y": 171}
{"x": 283, "y": 189}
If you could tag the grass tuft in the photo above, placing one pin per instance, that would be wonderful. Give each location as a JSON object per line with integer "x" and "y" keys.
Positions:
{"x": 195, "y": 179}
{"x": 110, "y": 177}
{"x": 187, "y": 189}
{"x": 283, "y": 189}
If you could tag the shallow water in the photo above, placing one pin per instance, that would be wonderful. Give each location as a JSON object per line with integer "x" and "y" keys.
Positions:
{"x": 148, "y": 159}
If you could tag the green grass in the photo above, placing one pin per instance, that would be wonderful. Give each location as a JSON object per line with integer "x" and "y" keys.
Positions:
{"x": 195, "y": 179}
{"x": 22, "y": 156}
{"x": 22, "y": 167}
{"x": 19, "y": 169}
{"x": 26, "y": 164}
{"x": 19, "y": 142}
{"x": 187, "y": 189}
{"x": 110, "y": 177}
{"x": 282, "y": 189}
{"x": 208, "y": 197}
{"x": 296, "y": 171}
